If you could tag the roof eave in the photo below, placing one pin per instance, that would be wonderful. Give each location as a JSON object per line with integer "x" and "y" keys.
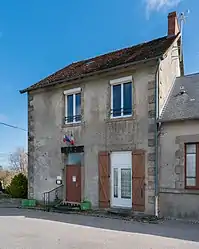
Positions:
{"x": 101, "y": 71}
{"x": 91, "y": 74}
{"x": 177, "y": 120}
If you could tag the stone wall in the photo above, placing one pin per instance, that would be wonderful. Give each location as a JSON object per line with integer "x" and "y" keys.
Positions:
{"x": 10, "y": 202}
{"x": 175, "y": 200}
{"x": 97, "y": 132}
{"x": 151, "y": 145}
{"x": 31, "y": 147}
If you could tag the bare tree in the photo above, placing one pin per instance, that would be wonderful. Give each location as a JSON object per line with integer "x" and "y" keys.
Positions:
{"x": 19, "y": 161}
{"x": 5, "y": 177}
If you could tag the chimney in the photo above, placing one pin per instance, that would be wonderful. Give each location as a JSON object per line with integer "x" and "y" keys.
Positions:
{"x": 173, "y": 26}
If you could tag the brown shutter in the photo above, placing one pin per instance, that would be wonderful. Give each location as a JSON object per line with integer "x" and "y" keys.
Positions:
{"x": 104, "y": 181}
{"x": 138, "y": 180}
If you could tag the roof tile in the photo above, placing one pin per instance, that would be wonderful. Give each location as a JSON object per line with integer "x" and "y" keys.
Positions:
{"x": 183, "y": 100}
{"x": 144, "y": 51}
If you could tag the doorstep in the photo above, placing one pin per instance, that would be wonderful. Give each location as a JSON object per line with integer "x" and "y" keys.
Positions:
{"x": 111, "y": 214}
{"x": 124, "y": 212}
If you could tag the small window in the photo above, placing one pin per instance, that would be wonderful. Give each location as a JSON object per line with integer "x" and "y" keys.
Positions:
{"x": 74, "y": 159}
{"x": 126, "y": 179}
{"x": 72, "y": 106}
{"x": 191, "y": 166}
{"x": 115, "y": 180}
{"x": 121, "y": 98}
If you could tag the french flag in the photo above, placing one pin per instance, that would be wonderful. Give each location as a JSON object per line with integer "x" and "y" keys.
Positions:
{"x": 68, "y": 139}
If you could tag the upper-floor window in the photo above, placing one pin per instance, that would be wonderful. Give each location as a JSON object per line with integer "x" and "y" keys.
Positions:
{"x": 121, "y": 97}
{"x": 192, "y": 165}
{"x": 73, "y": 105}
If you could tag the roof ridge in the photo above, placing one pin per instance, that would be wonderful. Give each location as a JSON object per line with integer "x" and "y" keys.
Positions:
{"x": 191, "y": 74}
{"x": 120, "y": 49}
{"x": 187, "y": 75}
{"x": 106, "y": 53}
{"x": 134, "y": 54}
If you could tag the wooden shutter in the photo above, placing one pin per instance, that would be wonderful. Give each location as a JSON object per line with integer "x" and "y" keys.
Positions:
{"x": 104, "y": 181}
{"x": 138, "y": 180}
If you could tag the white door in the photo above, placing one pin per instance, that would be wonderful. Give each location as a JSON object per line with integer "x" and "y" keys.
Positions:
{"x": 121, "y": 179}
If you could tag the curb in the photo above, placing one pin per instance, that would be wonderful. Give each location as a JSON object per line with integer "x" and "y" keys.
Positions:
{"x": 182, "y": 220}
{"x": 145, "y": 219}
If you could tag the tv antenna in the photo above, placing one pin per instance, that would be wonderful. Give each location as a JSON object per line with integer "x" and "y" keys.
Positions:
{"x": 182, "y": 20}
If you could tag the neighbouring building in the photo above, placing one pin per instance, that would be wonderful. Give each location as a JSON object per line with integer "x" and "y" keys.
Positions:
{"x": 179, "y": 155}
{"x": 106, "y": 108}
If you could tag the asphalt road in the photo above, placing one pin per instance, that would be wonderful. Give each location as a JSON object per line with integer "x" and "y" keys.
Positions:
{"x": 25, "y": 229}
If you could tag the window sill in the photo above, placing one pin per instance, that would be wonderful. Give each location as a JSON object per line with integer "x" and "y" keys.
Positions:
{"x": 71, "y": 124}
{"x": 124, "y": 116}
{"x": 191, "y": 188}
{"x": 121, "y": 118}
{"x": 179, "y": 191}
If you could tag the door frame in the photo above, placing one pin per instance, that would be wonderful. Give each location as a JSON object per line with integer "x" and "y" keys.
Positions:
{"x": 68, "y": 166}
{"x": 121, "y": 202}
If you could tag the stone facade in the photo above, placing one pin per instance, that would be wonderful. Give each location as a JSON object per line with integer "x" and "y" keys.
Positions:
{"x": 97, "y": 132}
{"x": 151, "y": 143}
{"x": 175, "y": 200}
{"x": 31, "y": 139}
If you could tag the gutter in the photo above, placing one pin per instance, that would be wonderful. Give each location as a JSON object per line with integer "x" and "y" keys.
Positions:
{"x": 90, "y": 74}
{"x": 177, "y": 120}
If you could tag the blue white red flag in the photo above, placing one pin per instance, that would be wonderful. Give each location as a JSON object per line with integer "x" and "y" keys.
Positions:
{"x": 68, "y": 139}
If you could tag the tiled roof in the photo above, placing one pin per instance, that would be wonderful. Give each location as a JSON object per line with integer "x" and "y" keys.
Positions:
{"x": 134, "y": 54}
{"x": 183, "y": 101}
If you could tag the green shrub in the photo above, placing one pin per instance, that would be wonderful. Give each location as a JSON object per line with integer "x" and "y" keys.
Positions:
{"x": 7, "y": 190}
{"x": 18, "y": 187}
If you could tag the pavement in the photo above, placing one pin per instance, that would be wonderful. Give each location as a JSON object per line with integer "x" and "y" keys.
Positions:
{"x": 27, "y": 229}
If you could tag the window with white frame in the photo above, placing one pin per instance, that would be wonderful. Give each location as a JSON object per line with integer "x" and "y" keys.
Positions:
{"x": 73, "y": 105}
{"x": 192, "y": 165}
{"x": 121, "y": 97}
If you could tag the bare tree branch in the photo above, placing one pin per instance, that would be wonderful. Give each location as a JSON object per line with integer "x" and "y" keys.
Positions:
{"x": 19, "y": 161}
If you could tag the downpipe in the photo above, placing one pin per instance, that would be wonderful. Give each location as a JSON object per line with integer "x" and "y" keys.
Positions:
{"x": 156, "y": 206}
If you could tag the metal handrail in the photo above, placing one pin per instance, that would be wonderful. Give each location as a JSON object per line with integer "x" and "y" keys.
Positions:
{"x": 53, "y": 197}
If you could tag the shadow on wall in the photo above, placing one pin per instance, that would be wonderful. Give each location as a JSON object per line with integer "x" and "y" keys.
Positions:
{"x": 169, "y": 229}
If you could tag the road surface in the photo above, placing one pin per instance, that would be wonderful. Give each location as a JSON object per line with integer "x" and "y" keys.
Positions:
{"x": 27, "y": 229}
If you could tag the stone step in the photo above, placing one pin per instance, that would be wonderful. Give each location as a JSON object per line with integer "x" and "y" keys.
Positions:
{"x": 120, "y": 211}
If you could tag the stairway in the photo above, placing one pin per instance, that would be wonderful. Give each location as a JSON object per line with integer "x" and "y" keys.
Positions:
{"x": 67, "y": 206}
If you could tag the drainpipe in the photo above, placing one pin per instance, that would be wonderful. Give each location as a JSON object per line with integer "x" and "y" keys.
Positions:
{"x": 156, "y": 136}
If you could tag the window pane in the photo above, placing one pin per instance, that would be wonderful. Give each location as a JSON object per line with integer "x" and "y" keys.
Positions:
{"x": 115, "y": 182}
{"x": 78, "y": 107}
{"x": 191, "y": 165}
{"x": 116, "y": 100}
{"x": 126, "y": 183}
{"x": 127, "y": 96}
{"x": 69, "y": 108}
{"x": 74, "y": 159}
{"x": 191, "y": 182}
{"x": 191, "y": 148}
